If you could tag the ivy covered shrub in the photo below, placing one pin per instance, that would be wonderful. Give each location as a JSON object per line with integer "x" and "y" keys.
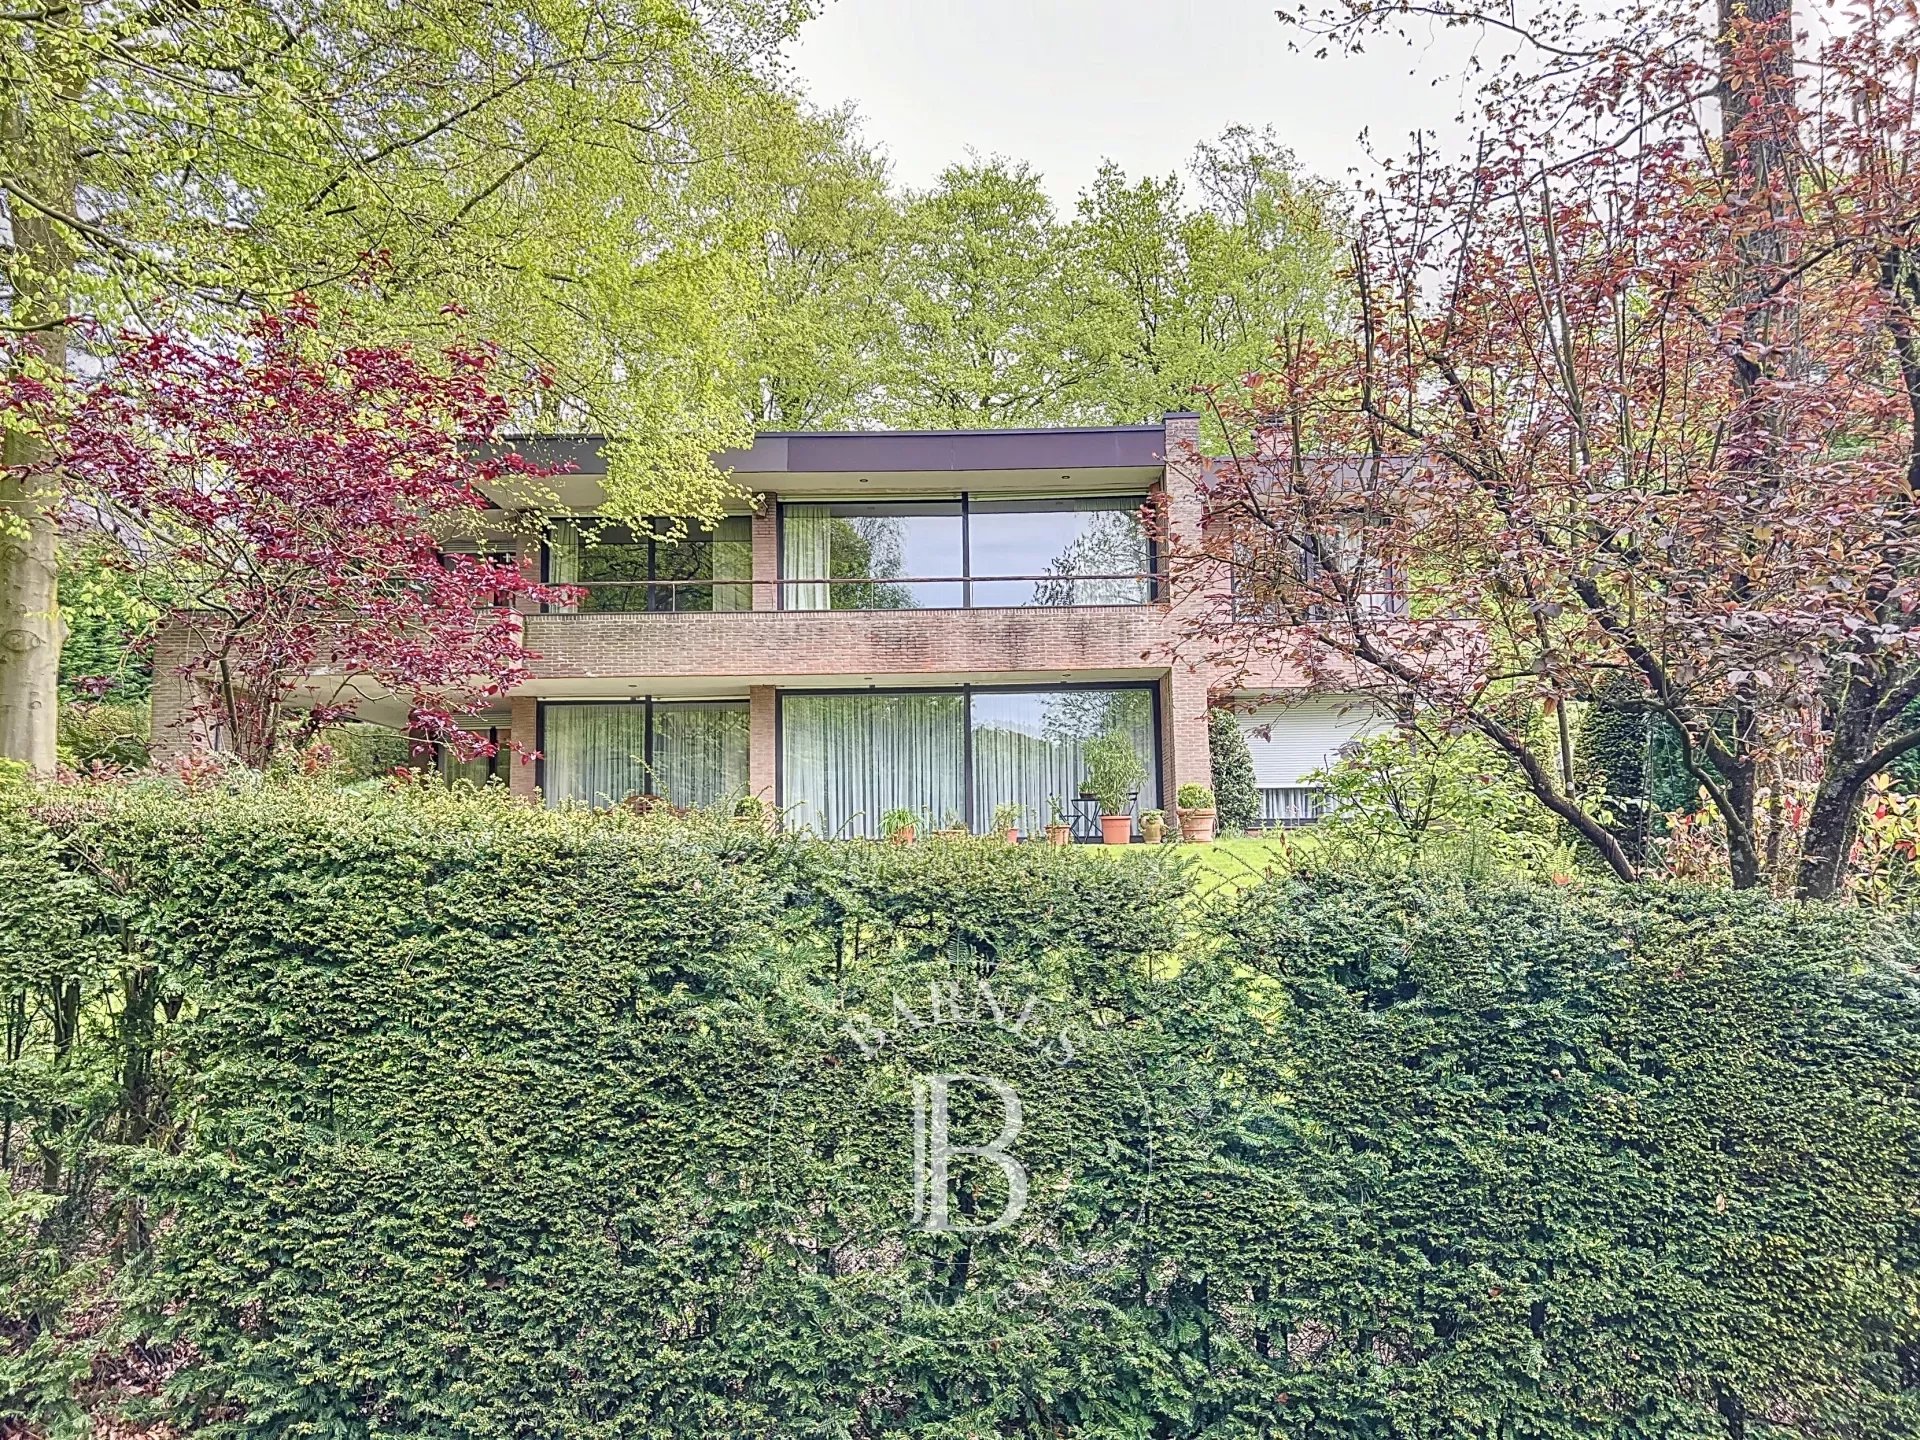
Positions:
{"x": 1236, "y": 791}
{"x": 455, "y": 1117}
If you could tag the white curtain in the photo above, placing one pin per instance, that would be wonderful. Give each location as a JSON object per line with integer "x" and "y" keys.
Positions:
{"x": 733, "y": 561}
{"x": 476, "y": 772}
{"x": 848, "y": 759}
{"x": 700, "y": 751}
{"x": 595, "y": 754}
{"x": 806, "y": 553}
{"x": 1029, "y": 747}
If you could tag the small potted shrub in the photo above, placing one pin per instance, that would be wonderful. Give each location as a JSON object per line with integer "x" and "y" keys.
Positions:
{"x": 1006, "y": 823}
{"x": 1153, "y": 826}
{"x": 1059, "y": 832}
{"x": 955, "y": 827}
{"x": 900, "y": 826}
{"x": 750, "y": 812}
{"x": 1114, "y": 773}
{"x": 1197, "y": 815}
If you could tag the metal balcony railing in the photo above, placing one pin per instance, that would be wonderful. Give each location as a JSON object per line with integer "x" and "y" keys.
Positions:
{"x": 906, "y": 592}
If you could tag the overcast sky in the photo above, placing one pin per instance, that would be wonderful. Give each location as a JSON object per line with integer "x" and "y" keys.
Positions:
{"x": 1064, "y": 83}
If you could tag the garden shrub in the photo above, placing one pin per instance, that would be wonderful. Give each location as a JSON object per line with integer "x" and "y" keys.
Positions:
{"x": 1236, "y": 790}
{"x": 469, "y": 1119}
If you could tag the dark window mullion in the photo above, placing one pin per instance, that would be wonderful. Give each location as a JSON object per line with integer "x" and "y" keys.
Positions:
{"x": 966, "y": 751}
{"x": 646, "y": 727}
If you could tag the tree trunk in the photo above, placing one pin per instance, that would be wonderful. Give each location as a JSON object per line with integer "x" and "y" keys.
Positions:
{"x": 40, "y": 269}
{"x": 1834, "y": 817}
{"x": 29, "y": 616}
{"x": 1827, "y": 840}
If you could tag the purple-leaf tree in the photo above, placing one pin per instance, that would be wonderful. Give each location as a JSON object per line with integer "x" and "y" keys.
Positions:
{"x": 300, "y": 496}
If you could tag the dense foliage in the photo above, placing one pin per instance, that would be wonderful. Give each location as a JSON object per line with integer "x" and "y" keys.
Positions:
{"x": 1632, "y": 397}
{"x": 458, "y": 1113}
{"x": 296, "y": 502}
{"x": 1236, "y": 790}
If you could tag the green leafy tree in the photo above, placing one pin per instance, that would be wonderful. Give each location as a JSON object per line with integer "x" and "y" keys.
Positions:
{"x": 1198, "y": 295}
{"x": 992, "y": 310}
{"x": 577, "y": 175}
{"x": 823, "y": 327}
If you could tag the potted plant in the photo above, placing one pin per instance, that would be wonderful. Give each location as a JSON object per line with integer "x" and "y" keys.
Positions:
{"x": 1153, "y": 826}
{"x": 1006, "y": 822}
{"x": 1114, "y": 773}
{"x": 1059, "y": 832}
{"x": 750, "y": 811}
{"x": 955, "y": 827}
{"x": 900, "y": 826}
{"x": 1197, "y": 815}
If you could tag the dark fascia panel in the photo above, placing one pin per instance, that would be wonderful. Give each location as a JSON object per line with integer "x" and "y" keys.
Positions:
{"x": 910, "y": 452}
{"x": 899, "y": 452}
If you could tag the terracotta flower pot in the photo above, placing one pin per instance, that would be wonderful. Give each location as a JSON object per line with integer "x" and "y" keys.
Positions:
{"x": 1153, "y": 832}
{"x": 1196, "y": 826}
{"x": 1012, "y": 837}
{"x": 1116, "y": 829}
{"x": 1059, "y": 834}
{"x": 903, "y": 836}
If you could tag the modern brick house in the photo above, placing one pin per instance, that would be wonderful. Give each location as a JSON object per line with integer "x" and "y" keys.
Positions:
{"x": 935, "y": 621}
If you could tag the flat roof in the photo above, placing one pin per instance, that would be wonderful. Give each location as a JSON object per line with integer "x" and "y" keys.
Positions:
{"x": 893, "y": 452}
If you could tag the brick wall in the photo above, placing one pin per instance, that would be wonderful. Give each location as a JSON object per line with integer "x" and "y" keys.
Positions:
{"x": 795, "y": 645}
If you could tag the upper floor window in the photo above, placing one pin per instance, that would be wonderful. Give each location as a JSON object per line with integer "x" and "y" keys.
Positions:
{"x": 973, "y": 551}
{"x": 621, "y": 568}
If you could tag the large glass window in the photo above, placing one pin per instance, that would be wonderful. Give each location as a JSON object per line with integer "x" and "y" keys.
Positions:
{"x": 873, "y": 557}
{"x": 916, "y": 555}
{"x": 1065, "y": 552}
{"x": 477, "y": 771}
{"x": 1028, "y": 748}
{"x": 623, "y": 568}
{"x": 847, "y": 759}
{"x": 689, "y": 753}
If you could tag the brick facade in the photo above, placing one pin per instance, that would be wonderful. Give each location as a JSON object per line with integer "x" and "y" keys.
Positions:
{"x": 753, "y": 654}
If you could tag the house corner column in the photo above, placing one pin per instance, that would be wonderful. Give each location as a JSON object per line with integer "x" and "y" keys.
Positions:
{"x": 522, "y": 773}
{"x": 173, "y": 729}
{"x": 766, "y": 555}
{"x": 762, "y": 752}
{"x": 1185, "y": 757}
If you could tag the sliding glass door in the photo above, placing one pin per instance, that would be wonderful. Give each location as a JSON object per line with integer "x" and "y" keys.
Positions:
{"x": 692, "y": 754}
{"x": 1028, "y": 747}
{"x": 846, "y": 759}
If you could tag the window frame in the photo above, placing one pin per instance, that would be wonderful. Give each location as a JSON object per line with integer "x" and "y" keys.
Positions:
{"x": 653, "y": 567}
{"x": 966, "y": 693}
{"x": 648, "y": 702}
{"x": 966, "y": 577}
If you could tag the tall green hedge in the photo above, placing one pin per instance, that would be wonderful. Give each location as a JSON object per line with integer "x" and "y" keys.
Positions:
{"x": 468, "y": 1120}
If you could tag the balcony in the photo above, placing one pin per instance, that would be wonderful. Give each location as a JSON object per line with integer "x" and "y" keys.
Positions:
{"x": 703, "y": 631}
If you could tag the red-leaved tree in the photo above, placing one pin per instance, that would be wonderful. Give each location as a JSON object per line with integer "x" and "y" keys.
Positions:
{"x": 300, "y": 497}
{"x": 1632, "y": 398}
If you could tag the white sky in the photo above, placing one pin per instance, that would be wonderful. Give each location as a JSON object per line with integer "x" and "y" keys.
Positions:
{"x": 1064, "y": 83}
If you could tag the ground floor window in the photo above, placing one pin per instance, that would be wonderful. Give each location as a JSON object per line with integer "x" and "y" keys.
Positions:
{"x": 952, "y": 756}
{"x": 477, "y": 771}
{"x": 690, "y": 753}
